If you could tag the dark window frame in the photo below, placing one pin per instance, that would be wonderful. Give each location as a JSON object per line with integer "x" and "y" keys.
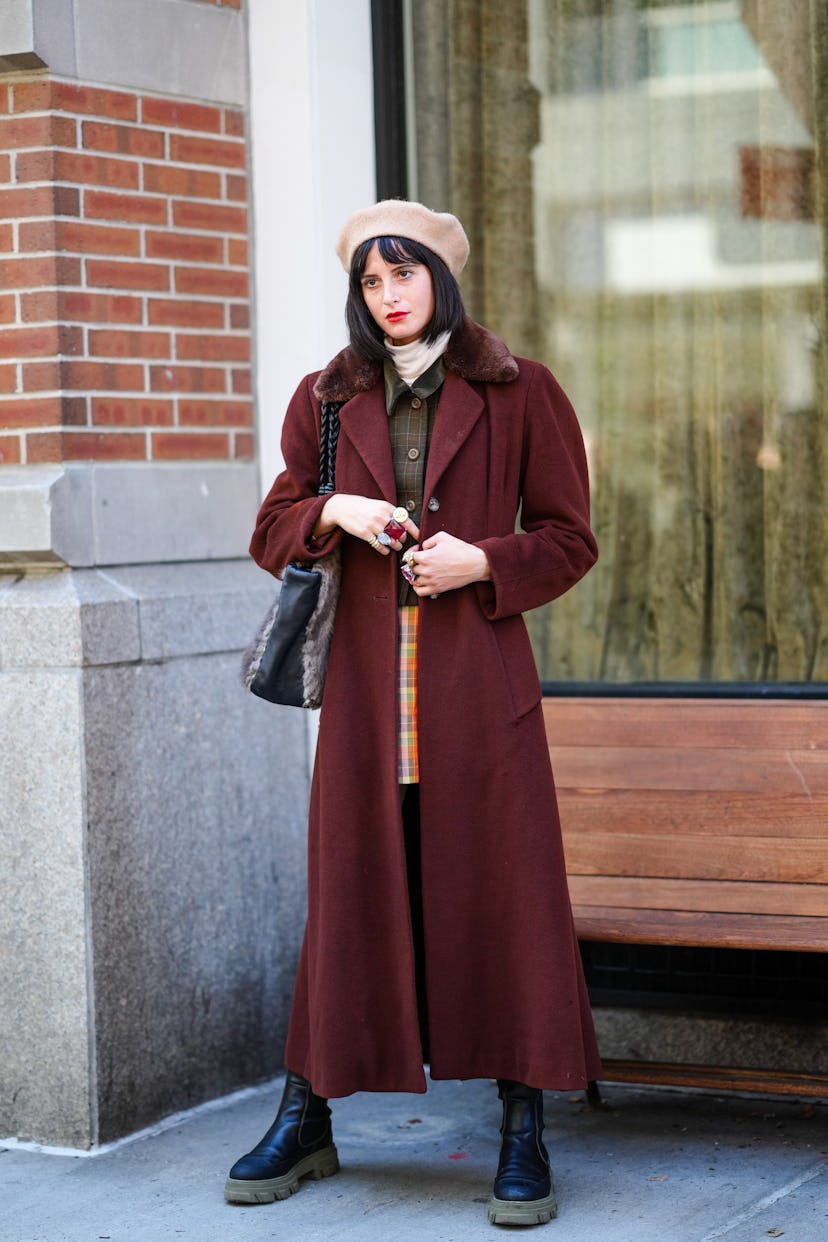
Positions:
{"x": 390, "y": 125}
{"x": 686, "y": 689}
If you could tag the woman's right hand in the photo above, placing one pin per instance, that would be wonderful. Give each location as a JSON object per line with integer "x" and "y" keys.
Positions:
{"x": 362, "y": 517}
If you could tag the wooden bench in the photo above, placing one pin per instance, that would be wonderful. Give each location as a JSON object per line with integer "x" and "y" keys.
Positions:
{"x": 696, "y": 822}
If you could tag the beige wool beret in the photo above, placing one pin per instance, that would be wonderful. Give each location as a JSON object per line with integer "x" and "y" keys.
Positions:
{"x": 396, "y": 217}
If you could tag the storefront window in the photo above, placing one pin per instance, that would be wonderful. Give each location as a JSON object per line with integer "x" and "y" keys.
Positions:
{"x": 644, "y": 184}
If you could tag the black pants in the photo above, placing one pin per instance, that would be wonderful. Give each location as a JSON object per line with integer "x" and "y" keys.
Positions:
{"x": 410, "y": 803}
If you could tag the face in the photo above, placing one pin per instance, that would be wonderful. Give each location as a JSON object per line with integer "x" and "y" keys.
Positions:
{"x": 399, "y": 296}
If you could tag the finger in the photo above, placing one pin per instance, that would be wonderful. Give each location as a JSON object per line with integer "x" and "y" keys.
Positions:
{"x": 425, "y": 576}
{"x": 413, "y": 530}
{"x": 375, "y": 545}
{"x": 426, "y": 591}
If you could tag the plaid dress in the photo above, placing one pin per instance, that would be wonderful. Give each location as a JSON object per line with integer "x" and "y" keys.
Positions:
{"x": 411, "y": 414}
{"x": 408, "y": 755}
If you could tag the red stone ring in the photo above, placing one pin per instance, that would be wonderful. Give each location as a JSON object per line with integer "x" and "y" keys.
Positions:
{"x": 393, "y": 528}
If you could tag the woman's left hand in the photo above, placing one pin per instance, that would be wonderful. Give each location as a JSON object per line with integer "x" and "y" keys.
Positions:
{"x": 445, "y": 563}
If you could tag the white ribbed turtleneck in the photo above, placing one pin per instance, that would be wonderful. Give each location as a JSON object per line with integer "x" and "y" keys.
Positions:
{"x": 414, "y": 359}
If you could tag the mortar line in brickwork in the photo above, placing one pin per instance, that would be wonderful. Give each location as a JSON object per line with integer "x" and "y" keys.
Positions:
{"x": 134, "y": 191}
{"x": 114, "y": 325}
{"x": 219, "y": 200}
{"x": 24, "y": 79}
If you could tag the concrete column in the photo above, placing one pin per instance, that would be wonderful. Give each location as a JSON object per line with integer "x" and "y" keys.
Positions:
{"x": 152, "y": 820}
{"x": 152, "y": 830}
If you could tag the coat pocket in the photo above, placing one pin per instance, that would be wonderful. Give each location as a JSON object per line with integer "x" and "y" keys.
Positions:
{"x": 520, "y": 674}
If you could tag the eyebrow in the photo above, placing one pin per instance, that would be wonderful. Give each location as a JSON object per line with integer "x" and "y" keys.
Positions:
{"x": 366, "y": 275}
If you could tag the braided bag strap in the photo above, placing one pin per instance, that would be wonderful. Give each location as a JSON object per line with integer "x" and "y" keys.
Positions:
{"x": 328, "y": 440}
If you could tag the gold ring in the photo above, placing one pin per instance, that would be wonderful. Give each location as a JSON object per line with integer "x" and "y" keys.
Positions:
{"x": 374, "y": 543}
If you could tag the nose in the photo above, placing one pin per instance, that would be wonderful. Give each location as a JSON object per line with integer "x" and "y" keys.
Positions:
{"x": 389, "y": 292}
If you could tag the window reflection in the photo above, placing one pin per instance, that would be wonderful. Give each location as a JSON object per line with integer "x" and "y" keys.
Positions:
{"x": 642, "y": 184}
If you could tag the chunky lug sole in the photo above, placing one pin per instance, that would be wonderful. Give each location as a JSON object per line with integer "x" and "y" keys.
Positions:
{"x": 515, "y": 1212}
{"x": 318, "y": 1164}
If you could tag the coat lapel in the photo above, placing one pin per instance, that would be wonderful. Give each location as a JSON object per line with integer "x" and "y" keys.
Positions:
{"x": 459, "y": 409}
{"x": 364, "y": 422}
{"x": 474, "y": 355}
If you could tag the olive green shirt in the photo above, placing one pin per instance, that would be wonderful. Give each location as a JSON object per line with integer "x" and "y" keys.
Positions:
{"x": 411, "y": 415}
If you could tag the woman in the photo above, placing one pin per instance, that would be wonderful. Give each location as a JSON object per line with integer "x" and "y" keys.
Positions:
{"x": 439, "y": 927}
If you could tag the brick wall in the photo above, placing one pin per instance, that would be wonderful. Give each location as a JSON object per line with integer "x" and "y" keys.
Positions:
{"x": 124, "y": 314}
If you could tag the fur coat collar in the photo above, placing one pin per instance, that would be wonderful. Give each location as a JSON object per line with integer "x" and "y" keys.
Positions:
{"x": 474, "y": 353}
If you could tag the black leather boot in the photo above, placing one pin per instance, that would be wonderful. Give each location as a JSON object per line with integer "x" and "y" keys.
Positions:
{"x": 523, "y": 1189}
{"x": 298, "y": 1144}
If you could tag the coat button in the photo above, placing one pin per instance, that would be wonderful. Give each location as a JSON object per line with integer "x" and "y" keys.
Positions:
{"x": 433, "y": 504}
{"x": 413, "y": 454}
{"x": 415, "y": 403}
{"x": 411, "y": 505}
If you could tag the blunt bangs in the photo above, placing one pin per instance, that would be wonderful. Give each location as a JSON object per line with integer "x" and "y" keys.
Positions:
{"x": 366, "y": 336}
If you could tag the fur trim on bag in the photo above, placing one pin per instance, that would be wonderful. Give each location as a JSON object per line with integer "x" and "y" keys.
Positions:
{"x": 474, "y": 353}
{"x": 315, "y": 643}
{"x": 320, "y": 629}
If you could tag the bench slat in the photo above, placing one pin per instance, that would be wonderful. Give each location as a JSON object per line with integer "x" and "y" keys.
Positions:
{"x": 797, "y": 773}
{"x": 715, "y": 896}
{"x": 684, "y": 927}
{"x": 698, "y": 857}
{"x": 772, "y": 1082}
{"x": 721, "y": 723}
{"x": 694, "y": 812}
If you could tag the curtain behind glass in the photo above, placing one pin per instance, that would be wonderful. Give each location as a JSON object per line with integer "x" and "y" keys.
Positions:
{"x": 644, "y": 189}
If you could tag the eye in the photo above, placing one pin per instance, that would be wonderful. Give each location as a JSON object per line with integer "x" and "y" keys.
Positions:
{"x": 369, "y": 282}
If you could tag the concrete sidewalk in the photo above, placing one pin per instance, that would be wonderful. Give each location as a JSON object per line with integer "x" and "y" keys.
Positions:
{"x": 652, "y": 1165}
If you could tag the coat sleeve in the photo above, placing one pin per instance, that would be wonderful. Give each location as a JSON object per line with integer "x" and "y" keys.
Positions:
{"x": 556, "y": 546}
{"x": 284, "y": 526}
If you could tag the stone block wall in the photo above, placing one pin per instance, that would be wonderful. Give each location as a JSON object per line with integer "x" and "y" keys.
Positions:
{"x": 151, "y": 848}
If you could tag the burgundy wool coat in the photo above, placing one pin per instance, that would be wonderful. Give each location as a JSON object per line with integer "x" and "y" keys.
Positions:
{"x": 505, "y": 990}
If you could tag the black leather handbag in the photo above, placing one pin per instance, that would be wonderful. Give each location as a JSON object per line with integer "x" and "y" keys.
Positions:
{"x": 288, "y": 659}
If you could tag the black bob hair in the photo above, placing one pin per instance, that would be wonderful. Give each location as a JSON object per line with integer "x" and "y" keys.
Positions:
{"x": 367, "y": 337}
